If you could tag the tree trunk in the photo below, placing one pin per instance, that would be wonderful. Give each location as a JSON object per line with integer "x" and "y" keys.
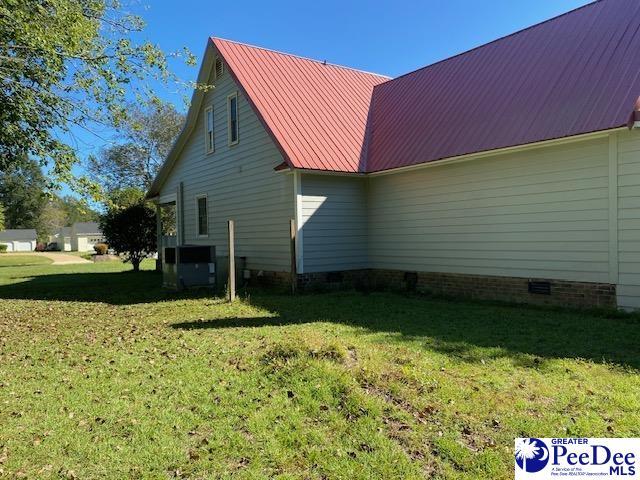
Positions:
{"x": 136, "y": 264}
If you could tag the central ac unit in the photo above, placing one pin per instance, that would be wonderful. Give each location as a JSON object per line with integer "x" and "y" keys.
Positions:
{"x": 189, "y": 266}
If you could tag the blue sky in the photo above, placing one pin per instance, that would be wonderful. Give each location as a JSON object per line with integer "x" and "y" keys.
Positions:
{"x": 388, "y": 37}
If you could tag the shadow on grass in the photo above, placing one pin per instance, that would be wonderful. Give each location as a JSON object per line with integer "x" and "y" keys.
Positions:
{"x": 469, "y": 331}
{"x": 116, "y": 288}
{"x": 457, "y": 328}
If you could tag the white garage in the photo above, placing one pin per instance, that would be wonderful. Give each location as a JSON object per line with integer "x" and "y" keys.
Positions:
{"x": 19, "y": 240}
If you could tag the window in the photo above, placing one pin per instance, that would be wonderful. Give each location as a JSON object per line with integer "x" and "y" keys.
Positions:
{"x": 208, "y": 130}
{"x": 232, "y": 124}
{"x": 203, "y": 220}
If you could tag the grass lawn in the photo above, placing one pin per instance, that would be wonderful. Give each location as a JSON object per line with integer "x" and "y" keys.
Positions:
{"x": 15, "y": 260}
{"x": 86, "y": 255}
{"x": 104, "y": 375}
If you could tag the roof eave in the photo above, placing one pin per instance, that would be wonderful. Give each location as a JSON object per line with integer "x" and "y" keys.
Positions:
{"x": 500, "y": 151}
{"x": 189, "y": 124}
{"x": 192, "y": 116}
{"x": 255, "y": 109}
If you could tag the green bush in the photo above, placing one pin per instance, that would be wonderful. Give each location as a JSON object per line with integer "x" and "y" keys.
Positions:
{"x": 131, "y": 231}
{"x": 101, "y": 248}
{"x": 3, "y": 248}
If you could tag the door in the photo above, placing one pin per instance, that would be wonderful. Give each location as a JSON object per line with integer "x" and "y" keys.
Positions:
{"x": 21, "y": 246}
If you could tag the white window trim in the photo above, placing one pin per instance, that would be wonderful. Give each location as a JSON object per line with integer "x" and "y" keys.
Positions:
{"x": 198, "y": 197}
{"x": 229, "y": 97}
{"x": 207, "y": 150}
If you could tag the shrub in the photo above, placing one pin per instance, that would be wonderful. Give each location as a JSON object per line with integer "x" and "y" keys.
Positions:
{"x": 40, "y": 247}
{"x": 131, "y": 231}
{"x": 101, "y": 248}
{"x": 3, "y": 248}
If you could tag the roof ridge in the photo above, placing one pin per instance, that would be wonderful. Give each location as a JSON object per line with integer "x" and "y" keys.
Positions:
{"x": 322, "y": 62}
{"x": 495, "y": 40}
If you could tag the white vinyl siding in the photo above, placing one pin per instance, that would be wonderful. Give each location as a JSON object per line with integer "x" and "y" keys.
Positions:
{"x": 538, "y": 213}
{"x": 240, "y": 184}
{"x": 629, "y": 220}
{"x": 334, "y": 219}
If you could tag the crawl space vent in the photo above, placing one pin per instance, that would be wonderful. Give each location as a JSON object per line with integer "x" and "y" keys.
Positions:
{"x": 539, "y": 288}
{"x": 334, "y": 277}
{"x": 411, "y": 280}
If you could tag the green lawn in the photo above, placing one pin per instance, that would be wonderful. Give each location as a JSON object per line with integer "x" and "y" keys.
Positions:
{"x": 15, "y": 259}
{"x": 104, "y": 375}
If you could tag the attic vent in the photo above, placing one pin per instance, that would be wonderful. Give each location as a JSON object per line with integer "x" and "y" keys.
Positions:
{"x": 539, "y": 288}
{"x": 219, "y": 67}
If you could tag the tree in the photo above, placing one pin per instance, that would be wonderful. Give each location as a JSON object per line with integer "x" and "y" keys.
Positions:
{"x": 30, "y": 206}
{"x": 52, "y": 218}
{"x": 67, "y": 63}
{"x": 76, "y": 210}
{"x": 63, "y": 212}
{"x": 131, "y": 231}
{"x": 28, "y": 203}
{"x": 1, "y": 217}
{"x": 22, "y": 193}
{"x": 124, "y": 197}
{"x": 149, "y": 134}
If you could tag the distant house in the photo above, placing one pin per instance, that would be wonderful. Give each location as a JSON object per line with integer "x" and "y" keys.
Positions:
{"x": 510, "y": 171}
{"x": 80, "y": 237}
{"x": 19, "y": 240}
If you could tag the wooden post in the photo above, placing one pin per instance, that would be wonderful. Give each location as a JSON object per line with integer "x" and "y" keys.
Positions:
{"x": 232, "y": 263}
{"x": 294, "y": 267}
{"x": 180, "y": 215}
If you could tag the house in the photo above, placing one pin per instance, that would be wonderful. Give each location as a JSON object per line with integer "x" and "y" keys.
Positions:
{"x": 19, "y": 240}
{"x": 84, "y": 235}
{"x": 510, "y": 171}
{"x": 80, "y": 237}
{"x": 62, "y": 239}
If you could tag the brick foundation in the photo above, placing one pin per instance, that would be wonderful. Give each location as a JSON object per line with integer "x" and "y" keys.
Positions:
{"x": 477, "y": 287}
{"x": 266, "y": 278}
{"x": 333, "y": 280}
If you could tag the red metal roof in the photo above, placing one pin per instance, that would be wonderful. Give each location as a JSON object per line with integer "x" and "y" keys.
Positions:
{"x": 573, "y": 74}
{"x": 316, "y": 112}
